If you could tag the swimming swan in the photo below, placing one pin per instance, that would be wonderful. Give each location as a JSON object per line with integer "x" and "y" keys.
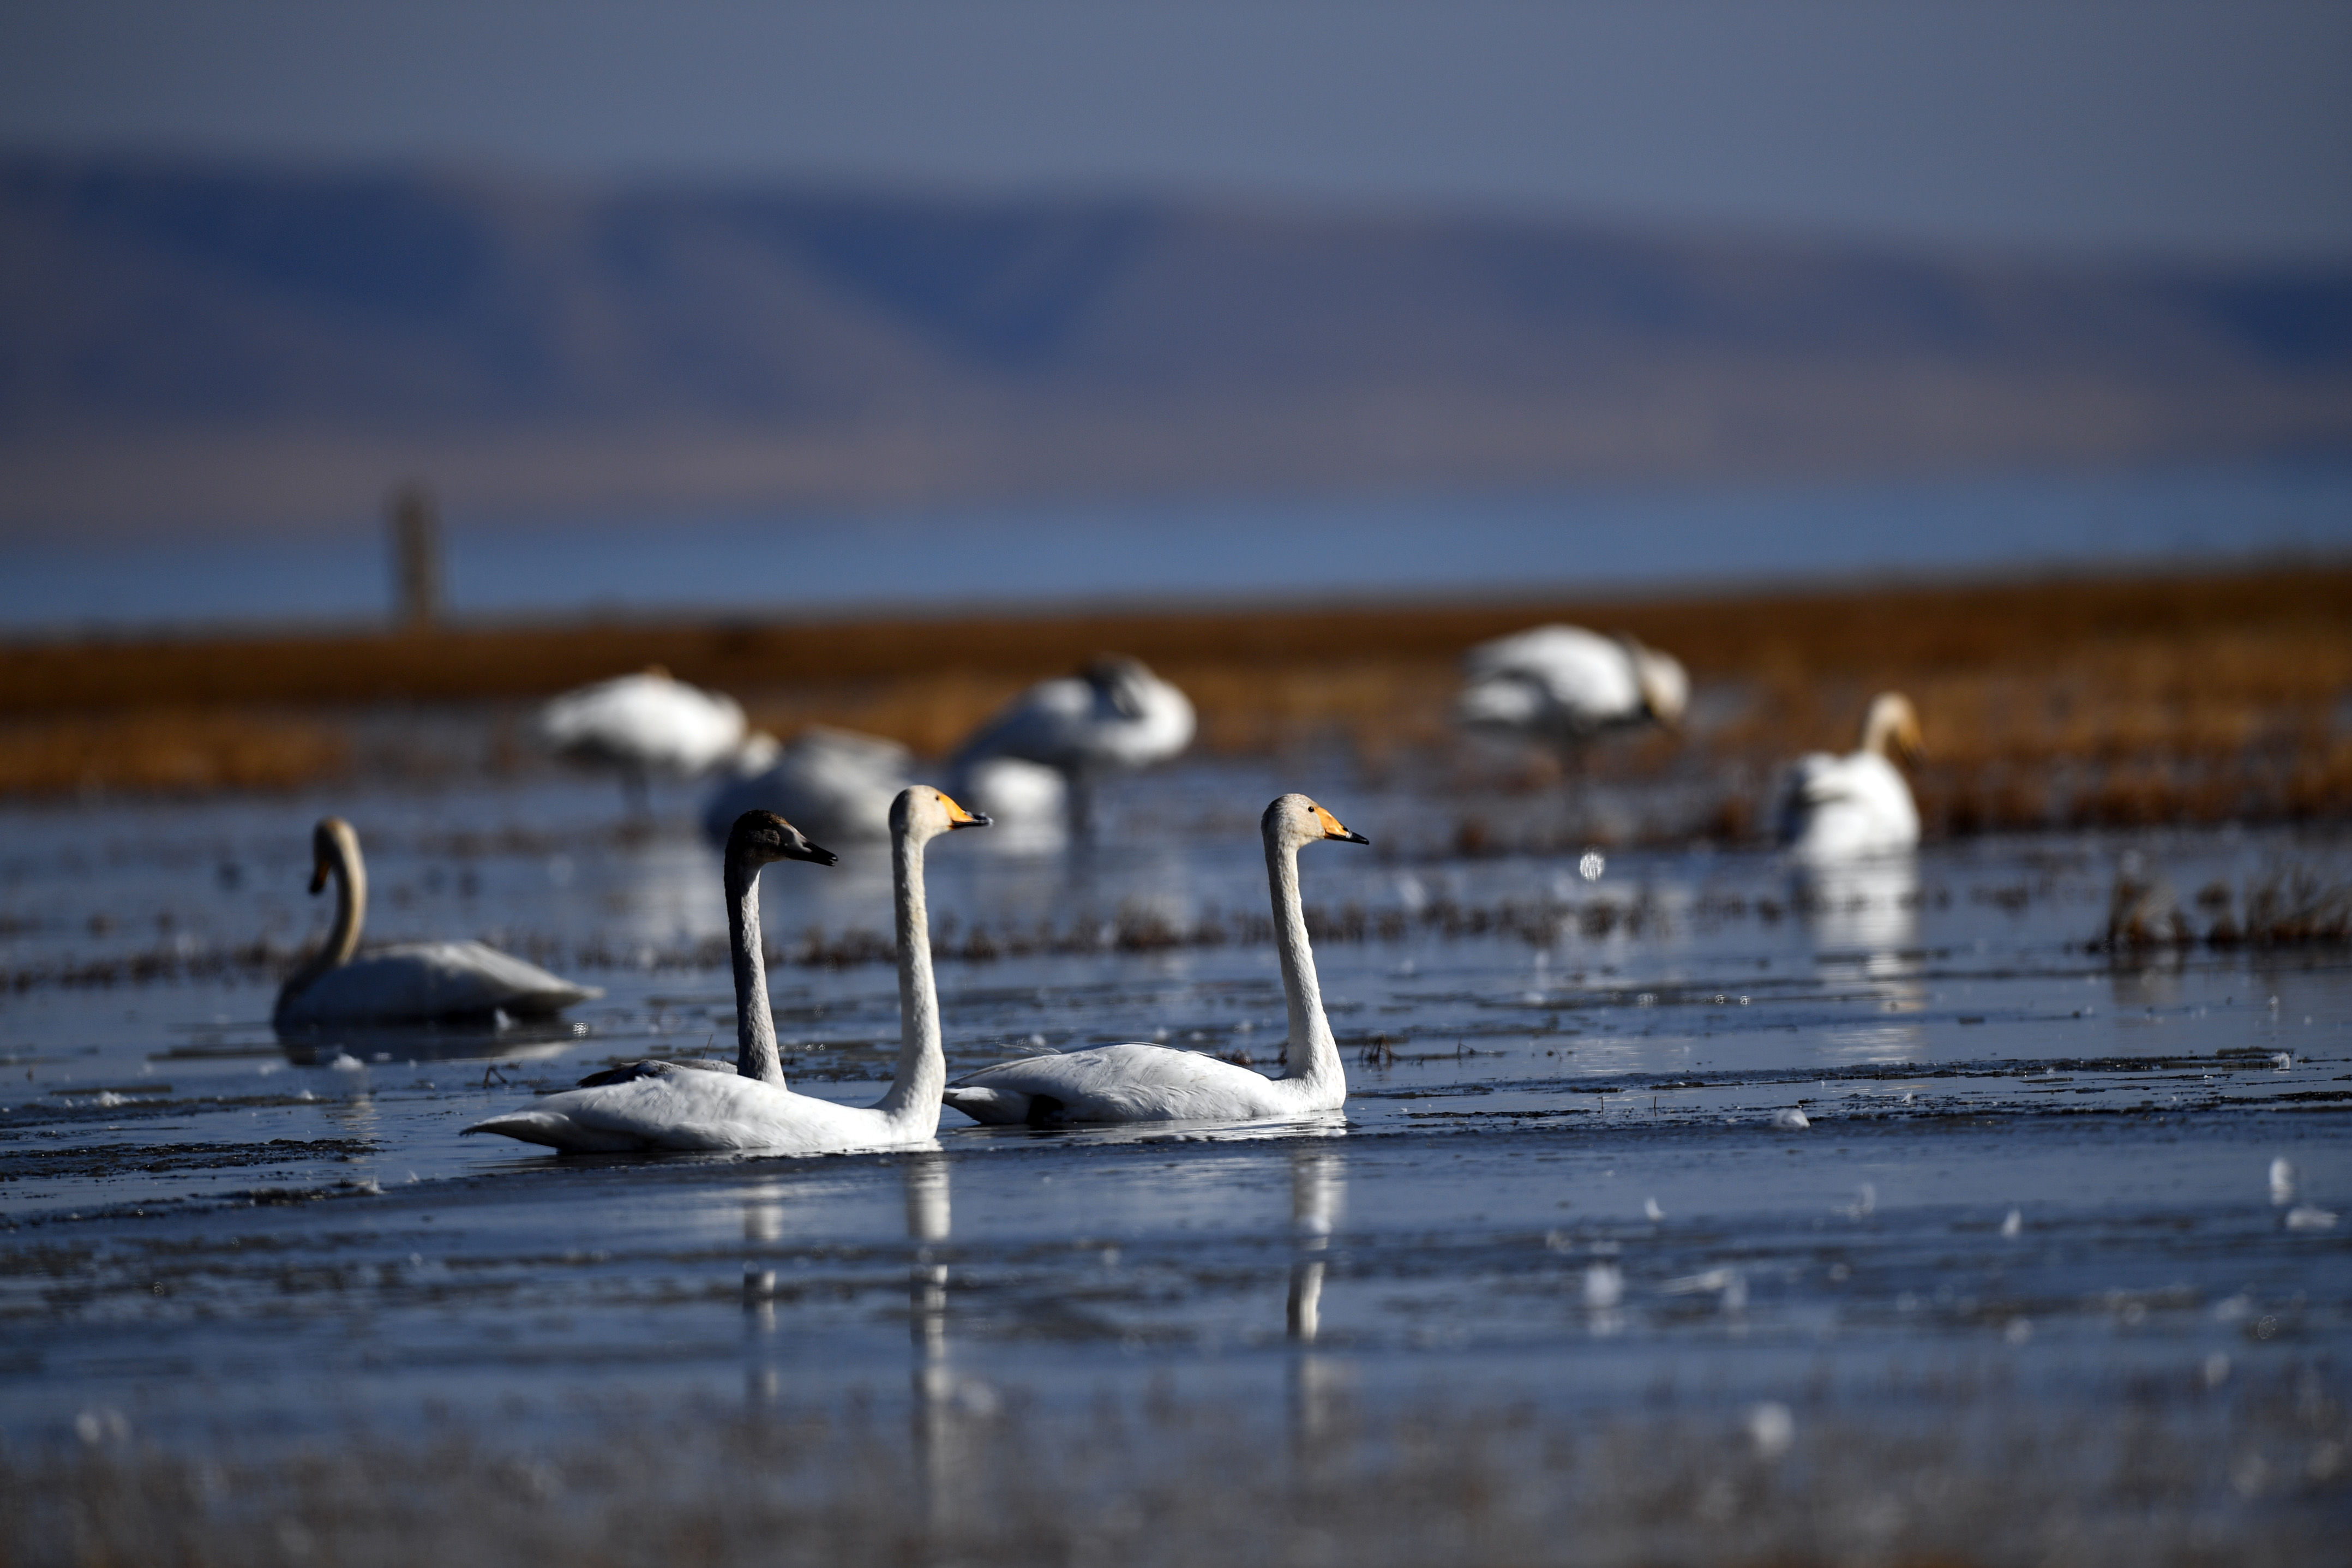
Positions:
{"x": 1153, "y": 1084}
{"x": 1114, "y": 715}
{"x": 701, "y": 1105}
{"x": 1563, "y": 686}
{"x": 414, "y": 982}
{"x": 1833, "y": 808}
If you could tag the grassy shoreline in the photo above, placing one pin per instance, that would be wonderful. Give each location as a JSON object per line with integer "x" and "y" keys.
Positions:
{"x": 2120, "y": 700}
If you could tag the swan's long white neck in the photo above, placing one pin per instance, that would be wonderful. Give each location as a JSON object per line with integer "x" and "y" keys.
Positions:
{"x": 1312, "y": 1060}
{"x": 755, "y": 1026}
{"x": 349, "y": 873}
{"x": 913, "y": 1094}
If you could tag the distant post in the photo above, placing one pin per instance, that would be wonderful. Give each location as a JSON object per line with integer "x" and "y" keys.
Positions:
{"x": 417, "y": 557}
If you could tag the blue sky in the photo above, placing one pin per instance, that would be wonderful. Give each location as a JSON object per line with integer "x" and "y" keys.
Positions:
{"x": 2160, "y": 125}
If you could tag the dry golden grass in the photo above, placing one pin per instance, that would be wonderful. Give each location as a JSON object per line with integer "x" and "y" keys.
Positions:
{"x": 2120, "y": 700}
{"x": 168, "y": 751}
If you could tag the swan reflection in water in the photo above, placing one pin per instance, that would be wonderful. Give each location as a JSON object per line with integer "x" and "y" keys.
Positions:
{"x": 1864, "y": 917}
{"x": 1318, "y": 1191}
{"x": 534, "y": 1040}
{"x": 947, "y": 1410}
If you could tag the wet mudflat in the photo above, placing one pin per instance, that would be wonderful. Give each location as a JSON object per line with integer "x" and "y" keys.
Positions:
{"x": 2054, "y": 1213}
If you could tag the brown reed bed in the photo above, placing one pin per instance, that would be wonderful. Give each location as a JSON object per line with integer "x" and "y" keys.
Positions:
{"x": 172, "y": 750}
{"x": 2109, "y": 701}
{"x": 2288, "y": 904}
{"x": 2252, "y": 1471}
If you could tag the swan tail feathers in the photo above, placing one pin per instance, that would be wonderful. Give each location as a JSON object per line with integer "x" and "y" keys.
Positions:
{"x": 557, "y": 1131}
{"x": 990, "y": 1107}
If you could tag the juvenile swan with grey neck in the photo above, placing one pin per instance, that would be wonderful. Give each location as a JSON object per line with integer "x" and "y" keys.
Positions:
{"x": 412, "y": 983}
{"x": 1153, "y": 1084}
{"x": 651, "y": 1105}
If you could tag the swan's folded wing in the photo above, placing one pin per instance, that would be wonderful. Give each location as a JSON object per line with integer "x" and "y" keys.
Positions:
{"x": 1045, "y": 723}
{"x": 1819, "y": 778}
{"x": 449, "y": 978}
{"x": 683, "y": 1110}
{"x": 1136, "y": 1083}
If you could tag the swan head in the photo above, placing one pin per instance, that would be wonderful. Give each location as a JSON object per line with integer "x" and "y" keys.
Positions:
{"x": 1891, "y": 728}
{"x": 1659, "y": 677}
{"x": 333, "y": 843}
{"x": 1120, "y": 679}
{"x": 1293, "y": 821}
{"x": 758, "y": 838}
{"x": 923, "y": 813}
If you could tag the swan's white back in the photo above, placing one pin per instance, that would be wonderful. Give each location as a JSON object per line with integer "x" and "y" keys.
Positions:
{"x": 1835, "y": 807}
{"x": 417, "y": 982}
{"x": 1073, "y": 724}
{"x": 689, "y": 1110}
{"x": 1133, "y": 1082}
{"x": 647, "y": 720}
{"x": 1564, "y": 683}
{"x": 837, "y": 784}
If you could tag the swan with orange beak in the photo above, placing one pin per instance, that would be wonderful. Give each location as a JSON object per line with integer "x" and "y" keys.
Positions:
{"x": 1141, "y": 1083}
{"x": 649, "y": 1105}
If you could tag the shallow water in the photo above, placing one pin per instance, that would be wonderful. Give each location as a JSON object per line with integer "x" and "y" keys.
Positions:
{"x": 1559, "y": 1177}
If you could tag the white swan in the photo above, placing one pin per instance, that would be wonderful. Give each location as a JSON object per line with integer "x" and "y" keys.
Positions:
{"x": 837, "y": 783}
{"x": 642, "y": 724}
{"x": 414, "y": 982}
{"x": 1833, "y": 808}
{"x": 1028, "y": 802}
{"x": 703, "y": 1105}
{"x": 1563, "y": 686}
{"x": 1113, "y": 716}
{"x": 1154, "y": 1083}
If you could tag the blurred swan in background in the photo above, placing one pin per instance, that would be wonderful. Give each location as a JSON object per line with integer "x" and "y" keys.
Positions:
{"x": 836, "y": 781}
{"x": 642, "y": 724}
{"x": 1562, "y": 685}
{"x": 1142, "y": 1082}
{"x": 1832, "y": 807}
{"x": 412, "y": 982}
{"x": 1113, "y": 716}
{"x": 1028, "y": 802}
{"x": 647, "y": 1105}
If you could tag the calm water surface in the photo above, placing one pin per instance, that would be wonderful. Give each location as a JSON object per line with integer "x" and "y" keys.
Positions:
{"x": 1559, "y": 1176}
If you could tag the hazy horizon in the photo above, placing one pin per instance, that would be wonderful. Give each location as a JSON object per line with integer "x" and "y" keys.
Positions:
{"x": 1628, "y": 541}
{"x": 2180, "y": 128}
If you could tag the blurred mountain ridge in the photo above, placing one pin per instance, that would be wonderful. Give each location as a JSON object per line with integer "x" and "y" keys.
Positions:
{"x": 194, "y": 342}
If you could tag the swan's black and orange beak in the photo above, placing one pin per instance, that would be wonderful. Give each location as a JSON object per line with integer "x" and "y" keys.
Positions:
{"x": 960, "y": 818}
{"x": 1332, "y": 830}
{"x": 815, "y": 854}
{"x": 319, "y": 871}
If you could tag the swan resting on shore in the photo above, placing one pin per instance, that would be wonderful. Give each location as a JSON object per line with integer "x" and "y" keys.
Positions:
{"x": 1563, "y": 686}
{"x": 1836, "y": 808}
{"x": 682, "y": 1105}
{"x": 1141, "y": 1082}
{"x": 408, "y": 983}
